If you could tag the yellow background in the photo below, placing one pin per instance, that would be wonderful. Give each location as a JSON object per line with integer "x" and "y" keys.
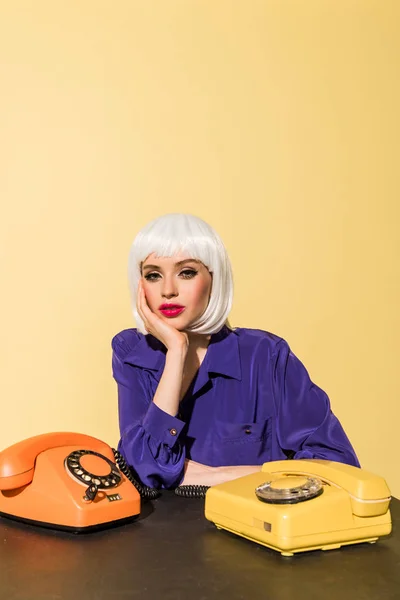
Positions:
{"x": 276, "y": 121}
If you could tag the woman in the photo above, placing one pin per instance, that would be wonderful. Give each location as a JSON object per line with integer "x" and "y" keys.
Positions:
{"x": 200, "y": 402}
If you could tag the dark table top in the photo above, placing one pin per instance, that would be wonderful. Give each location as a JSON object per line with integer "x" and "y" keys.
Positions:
{"x": 173, "y": 552}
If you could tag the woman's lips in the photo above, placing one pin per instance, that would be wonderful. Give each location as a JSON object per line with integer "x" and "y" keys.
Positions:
{"x": 173, "y": 311}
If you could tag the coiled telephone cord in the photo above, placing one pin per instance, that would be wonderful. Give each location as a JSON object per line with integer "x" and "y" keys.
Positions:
{"x": 192, "y": 491}
{"x": 145, "y": 492}
{"x": 148, "y": 493}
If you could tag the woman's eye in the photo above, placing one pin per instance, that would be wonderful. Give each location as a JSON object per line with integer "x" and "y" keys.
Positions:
{"x": 188, "y": 273}
{"x": 152, "y": 276}
{"x": 185, "y": 274}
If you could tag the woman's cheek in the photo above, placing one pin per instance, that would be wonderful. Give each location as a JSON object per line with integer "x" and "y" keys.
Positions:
{"x": 201, "y": 293}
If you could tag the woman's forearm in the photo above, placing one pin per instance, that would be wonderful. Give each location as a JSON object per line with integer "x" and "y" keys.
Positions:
{"x": 168, "y": 391}
{"x": 199, "y": 474}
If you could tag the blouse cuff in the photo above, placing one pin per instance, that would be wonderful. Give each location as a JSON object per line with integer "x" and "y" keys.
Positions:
{"x": 161, "y": 426}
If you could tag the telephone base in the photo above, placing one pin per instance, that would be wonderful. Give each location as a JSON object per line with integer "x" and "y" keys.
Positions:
{"x": 70, "y": 529}
{"x": 293, "y": 551}
{"x": 328, "y": 521}
{"x": 54, "y": 499}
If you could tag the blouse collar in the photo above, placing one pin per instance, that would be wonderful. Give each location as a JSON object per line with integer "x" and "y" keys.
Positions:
{"x": 222, "y": 356}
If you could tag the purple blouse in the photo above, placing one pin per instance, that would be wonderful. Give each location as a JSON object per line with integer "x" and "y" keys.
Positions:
{"x": 252, "y": 401}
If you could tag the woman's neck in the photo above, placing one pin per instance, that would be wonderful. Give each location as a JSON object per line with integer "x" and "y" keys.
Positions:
{"x": 198, "y": 341}
{"x": 198, "y": 344}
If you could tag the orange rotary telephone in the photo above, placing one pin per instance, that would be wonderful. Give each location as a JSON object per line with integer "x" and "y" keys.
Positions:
{"x": 65, "y": 481}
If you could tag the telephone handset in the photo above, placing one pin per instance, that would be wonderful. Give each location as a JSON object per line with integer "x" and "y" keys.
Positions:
{"x": 298, "y": 505}
{"x": 66, "y": 481}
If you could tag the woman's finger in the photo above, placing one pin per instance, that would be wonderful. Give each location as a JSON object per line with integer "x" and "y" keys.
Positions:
{"x": 149, "y": 318}
{"x": 139, "y": 300}
{"x": 139, "y": 305}
{"x": 144, "y": 306}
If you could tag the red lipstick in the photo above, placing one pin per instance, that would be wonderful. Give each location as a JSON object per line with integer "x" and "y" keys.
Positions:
{"x": 171, "y": 310}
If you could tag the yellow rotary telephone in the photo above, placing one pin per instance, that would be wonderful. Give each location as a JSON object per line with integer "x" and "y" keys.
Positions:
{"x": 298, "y": 505}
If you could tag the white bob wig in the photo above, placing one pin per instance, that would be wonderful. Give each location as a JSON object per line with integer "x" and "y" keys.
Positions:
{"x": 183, "y": 233}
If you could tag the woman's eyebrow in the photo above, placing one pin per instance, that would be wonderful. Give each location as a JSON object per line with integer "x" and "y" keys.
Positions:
{"x": 187, "y": 260}
{"x": 177, "y": 264}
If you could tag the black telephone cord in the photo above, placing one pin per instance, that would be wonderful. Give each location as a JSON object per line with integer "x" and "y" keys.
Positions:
{"x": 192, "y": 491}
{"x": 148, "y": 493}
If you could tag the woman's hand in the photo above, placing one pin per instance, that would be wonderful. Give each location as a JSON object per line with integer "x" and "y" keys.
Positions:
{"x": 168, "y": 335}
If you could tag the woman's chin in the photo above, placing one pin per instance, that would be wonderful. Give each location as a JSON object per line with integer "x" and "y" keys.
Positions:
{"x": 178, "y": 322}
{"x": 182, "y": 322}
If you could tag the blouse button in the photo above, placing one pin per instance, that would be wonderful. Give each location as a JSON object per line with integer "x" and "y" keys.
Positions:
{"x": 173, "y": 431}
{"x": 248, "y": 430}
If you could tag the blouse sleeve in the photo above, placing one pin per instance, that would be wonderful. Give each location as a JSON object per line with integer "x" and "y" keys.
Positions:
{"x": 150, "y": 437}
{"x": 305, "y": 422}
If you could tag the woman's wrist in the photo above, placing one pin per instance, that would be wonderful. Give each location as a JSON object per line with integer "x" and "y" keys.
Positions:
{"x": 198, "y": 474}
{"x": 177, "y": 352}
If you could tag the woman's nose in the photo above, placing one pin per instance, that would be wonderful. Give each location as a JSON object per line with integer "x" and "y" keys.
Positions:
{"x": 169, "y": 289}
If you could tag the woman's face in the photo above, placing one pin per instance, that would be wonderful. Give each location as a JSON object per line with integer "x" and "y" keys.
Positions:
{"x": 177, "y": 288}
